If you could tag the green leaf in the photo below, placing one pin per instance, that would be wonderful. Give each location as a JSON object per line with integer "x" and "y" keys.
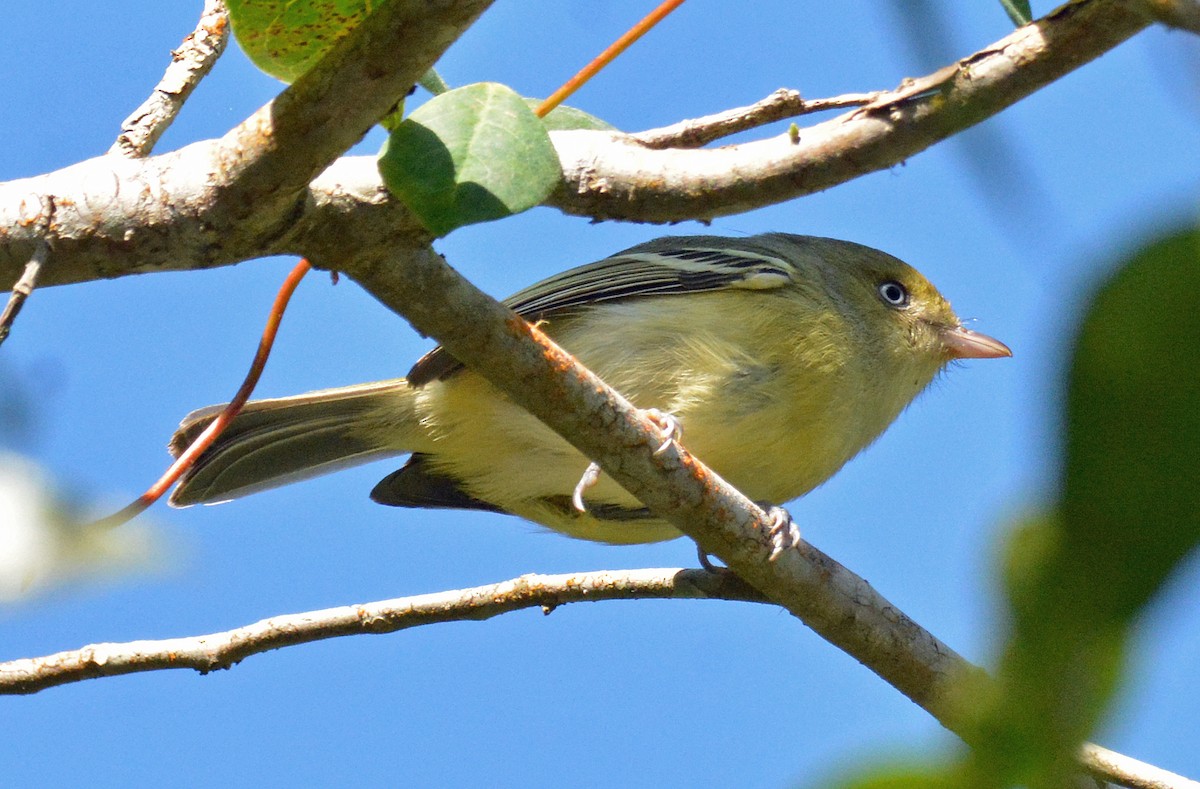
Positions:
{"x": 564, "y": 118}
{"x": 286, "y": 37}
{"x": 1018, "y": 11}
{"x": 470, "y": 155}
{"x": 1129, "y": 514}
{"x": 1132, "y": 485}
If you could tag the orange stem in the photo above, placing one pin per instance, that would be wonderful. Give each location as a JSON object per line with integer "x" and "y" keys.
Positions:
{"x": 206, "y": 438}
{"x": 604, "y": 58}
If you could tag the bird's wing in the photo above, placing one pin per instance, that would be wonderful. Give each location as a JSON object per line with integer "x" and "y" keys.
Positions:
{"x": 418, "y": 484}
{"x": 660, "y": 268}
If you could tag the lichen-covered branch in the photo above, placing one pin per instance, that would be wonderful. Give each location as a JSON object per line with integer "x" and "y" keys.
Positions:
{"x": 223, "y": 650}
{"x": 610, "y": 176}
{"x": 781, "y": 104}
{"x": 190, "y": 63}
{"x": 252, "y": 193}
{"x": 218, "y": 202}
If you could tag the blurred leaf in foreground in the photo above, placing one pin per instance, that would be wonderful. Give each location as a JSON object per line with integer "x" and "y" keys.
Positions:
{"x": 1129, "y": 514}
{"x": 45, "y": 543}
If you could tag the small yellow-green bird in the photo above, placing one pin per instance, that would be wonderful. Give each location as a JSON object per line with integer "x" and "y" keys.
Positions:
{"x": 779, "y": 356}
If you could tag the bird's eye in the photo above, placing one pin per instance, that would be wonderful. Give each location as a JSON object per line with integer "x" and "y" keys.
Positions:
{"x": 894, "y": 294}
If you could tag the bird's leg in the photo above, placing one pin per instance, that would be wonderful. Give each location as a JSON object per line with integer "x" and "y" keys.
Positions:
{"x": 784, "y": 532}
{"x": 590, "y": 475}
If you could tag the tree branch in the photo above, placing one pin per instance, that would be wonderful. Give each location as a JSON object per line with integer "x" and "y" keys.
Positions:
{"x": 218, "y": 202}
{"x": 1121, "y": 770}
{"x": 223, "y": 650}
{"x": 781, "y": 104}
{"x": 22, "y": 289}
{"x": 542, "y": 378}
{"x": 189, "y": 64}
{"x": 193, "y": 209}
{"x": 611, "y": 176}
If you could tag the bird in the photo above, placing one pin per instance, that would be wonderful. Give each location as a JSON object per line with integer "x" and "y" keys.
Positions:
{"x": 779, "y": 357}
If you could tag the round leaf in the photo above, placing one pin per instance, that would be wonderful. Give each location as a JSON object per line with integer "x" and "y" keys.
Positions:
{"x": 470, "y": 155}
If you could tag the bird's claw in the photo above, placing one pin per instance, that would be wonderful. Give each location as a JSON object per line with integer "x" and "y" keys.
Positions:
{"x": 668, "y": 426}
{"x": 784, "y": 533}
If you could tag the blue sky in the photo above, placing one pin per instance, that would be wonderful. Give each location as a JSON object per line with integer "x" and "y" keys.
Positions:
{"x": 629, "y": 693}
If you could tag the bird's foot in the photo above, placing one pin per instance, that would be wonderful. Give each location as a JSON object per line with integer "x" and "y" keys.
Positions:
{"x": 668, "y": 426}
{"x": 784, "y": 532}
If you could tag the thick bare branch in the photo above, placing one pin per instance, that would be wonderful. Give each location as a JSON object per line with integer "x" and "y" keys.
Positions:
{"x": 189, "y": 64}
{"x": 186, "y": 210}
{"x": 222, "y": 650}
{"x": 269, "y": 159}
{"x": 530, "y": 369}
{"x": 218, "y": 202}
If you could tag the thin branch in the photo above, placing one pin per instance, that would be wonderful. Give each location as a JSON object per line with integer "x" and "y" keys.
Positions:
{"x": 189, "y": 64}
{"x": 23, "y": 288}
{"x": 610, "y": 53}
{"x": 223, "y": 650}
{"x": 187, "y": 457}
{"x": 1121, "y": 770}
{"x": 783, "y": 103}
{"x": 613, "y": 176}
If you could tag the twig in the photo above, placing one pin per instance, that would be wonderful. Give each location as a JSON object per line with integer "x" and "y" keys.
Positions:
{"x": 24, "y": 287}
{"x": 610, "y": 176}
{"x": 222, "y": 650}
{"x": 189, "y": 64}
{"x": 1116, "y": 768}
{"x": 783, "y": 103}
{"x": 214, "y": 429}
{"x": 607, "y": 56}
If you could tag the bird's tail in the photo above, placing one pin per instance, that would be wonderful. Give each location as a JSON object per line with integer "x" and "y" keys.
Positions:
{"x": 274, "y": 442}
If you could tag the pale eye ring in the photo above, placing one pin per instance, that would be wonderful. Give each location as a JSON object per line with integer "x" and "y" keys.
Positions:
{"x": 894, "y": 294}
